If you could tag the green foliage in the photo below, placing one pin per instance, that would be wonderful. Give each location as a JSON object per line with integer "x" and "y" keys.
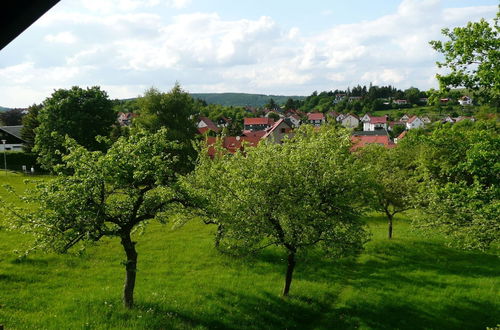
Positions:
{"x": 242, "y": 99}
{"x": 107, "y": 195}
{"x": 175, "y": 111}
{"x": 285, "y": 195}
{"x": 392, "y": 185}
{"x": 272, "y": 105}
{"x": 81, "y": 114}
{"x": 30, "y": 123}
{"x": 185, "y": 284}
{"x": 16, "y": 160}
{"x": 460, "y": 175}
{"x": 472, "y": 53}
{"x": 11, "y": 117}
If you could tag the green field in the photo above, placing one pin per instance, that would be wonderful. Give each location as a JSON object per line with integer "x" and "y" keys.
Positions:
{"x": 411, "y": 282}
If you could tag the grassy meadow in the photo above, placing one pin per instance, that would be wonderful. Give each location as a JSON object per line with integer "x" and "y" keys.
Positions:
{"x": 410, "y": 282}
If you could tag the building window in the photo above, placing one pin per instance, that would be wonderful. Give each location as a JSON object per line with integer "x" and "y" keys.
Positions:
{"x": 283, "y": 130}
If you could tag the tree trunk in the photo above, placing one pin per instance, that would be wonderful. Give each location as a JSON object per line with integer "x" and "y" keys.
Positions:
{"x": 131, "y": 269}
{"x": 218, "y": 235}
{"x": 389, "y": 216}
{"x": 289, "y": 272}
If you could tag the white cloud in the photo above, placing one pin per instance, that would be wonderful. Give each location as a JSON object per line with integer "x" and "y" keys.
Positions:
{"x": 61, "y": 37}
{"x": 128, "y": 45}
{"x": 179, "y": 4}
{"x": 112, "y": 6}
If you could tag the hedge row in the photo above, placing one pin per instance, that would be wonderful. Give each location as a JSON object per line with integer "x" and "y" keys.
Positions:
{"x": 16, "y": 160}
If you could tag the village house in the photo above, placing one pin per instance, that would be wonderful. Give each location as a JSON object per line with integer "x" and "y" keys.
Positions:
{"x": 400, "y": 136}
{"x": 294, "y": 120}
{"x": 257, "y": 124}
{"x": 426, "y": 120}
{"x": 448, "y": 119}
{"x": 12, "y": 137}
{"x": 339, "y": 98}
{"x": 205, "y": 124}
{"x": 355, "y": 98}
{"x": 414, "y": 122}
{"x": 465, "y": 100}
{"x": 125, "y": 118}
{"x": 316, "y": 118}
{"x": 223, "y": 122}
{"x": 350, "y": 121}
{"x": 365, "y": 118}
{"x": 332, "y": 116}
{"x": 375, "y": 123}
{"x": 460, "y": 118}
{"x": 404, "y": 118}
{"x": 231, "y": 143}
{"x": 360, "y": 141}
{"x": 393, "y": 124}
{"x": 400, "y": 102}
{"x": 278, "y": 131}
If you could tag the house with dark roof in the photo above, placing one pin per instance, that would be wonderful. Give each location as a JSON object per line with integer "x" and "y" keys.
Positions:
{"x": 223, "y": 122}
{"x": 12, "y": 137}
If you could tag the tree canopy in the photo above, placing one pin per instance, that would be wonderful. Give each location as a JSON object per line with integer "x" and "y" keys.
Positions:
{"x": 285, "y": 195}
{"x": 459, "y": 174}
{"x": 107, "y": 195}
{"x": 175, "y": 111}
{"x": 472, "y": 54}
{"x": 82, "y": 114}
{"x": 392, "y": 185}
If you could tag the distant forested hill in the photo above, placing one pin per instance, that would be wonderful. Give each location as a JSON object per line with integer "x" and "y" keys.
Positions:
{"x": 4, "y": 108}
{"x": 242, "y": 99}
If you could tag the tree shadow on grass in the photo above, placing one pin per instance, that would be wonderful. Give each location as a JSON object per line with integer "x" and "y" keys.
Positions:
{"x": 231, "y": 310}
{"x": 398, "y": 286}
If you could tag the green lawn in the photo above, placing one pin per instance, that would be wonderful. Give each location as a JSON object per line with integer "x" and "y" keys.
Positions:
{"x": 411, "y": 282}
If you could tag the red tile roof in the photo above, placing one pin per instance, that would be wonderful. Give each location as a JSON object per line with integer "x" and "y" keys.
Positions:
{"x": 231, "y": 143}
{"x": 258, "y": 121}
{"x": 412, "y": 119}
{"x": 253, "y": 134}
{"x": 210, "y": 125}
{"x": 402, "y": 135}
{"x": 315, "y": 116}
{"x": 361, "y": 141}
{"x": 378, "y": 120}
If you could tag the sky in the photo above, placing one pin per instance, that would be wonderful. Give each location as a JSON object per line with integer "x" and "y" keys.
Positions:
{"x": 267, "y": 47}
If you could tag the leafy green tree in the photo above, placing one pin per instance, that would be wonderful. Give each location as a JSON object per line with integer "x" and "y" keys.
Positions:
{"x": 30, "y": 123}
{"x": 472, "y": 53}
{"x": 271, "y": 104}
{"x": 107, "y": 195}
{"x": 82, "y": 114}
{"x": 174, "y": 110}
{"x": 412, "y": 95}
{"x": 392, "y": 185}
{"x": 285, "y": 195}
{"x": 459, "y": 174}
{"x": 274, "y": 116}
{"x": 11, "y": 117}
